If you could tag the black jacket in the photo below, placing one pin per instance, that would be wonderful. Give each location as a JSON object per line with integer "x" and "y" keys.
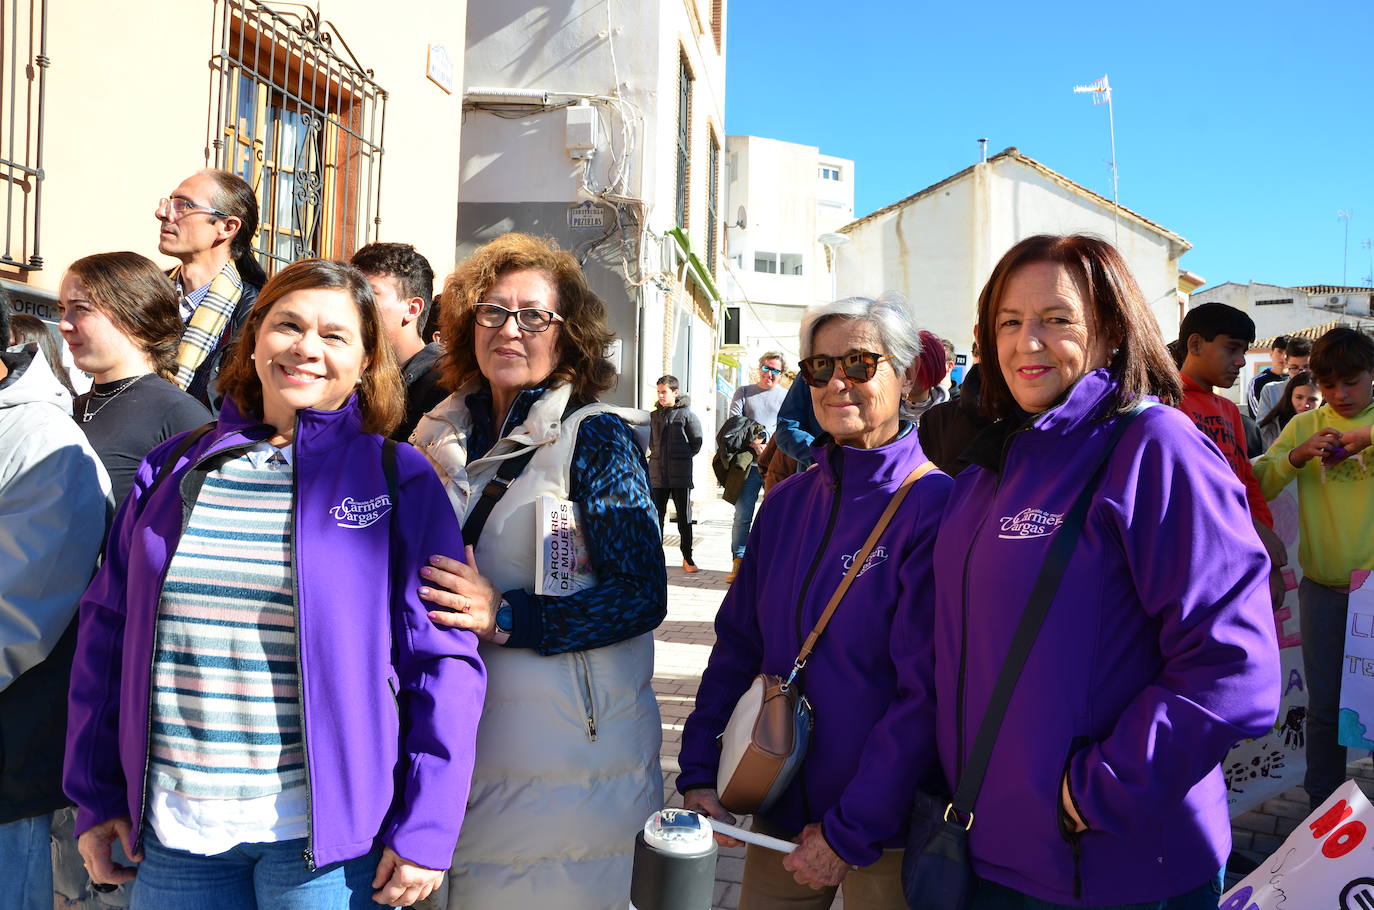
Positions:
{"x": 33, "y": 734}
{"x": 946, "y": 430}
{"x": 421, "y": 375}
{"x": 674, "y": 437}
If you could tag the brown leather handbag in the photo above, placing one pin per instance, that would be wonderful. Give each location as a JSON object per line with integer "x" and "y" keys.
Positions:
{"x": 766, "y": 739}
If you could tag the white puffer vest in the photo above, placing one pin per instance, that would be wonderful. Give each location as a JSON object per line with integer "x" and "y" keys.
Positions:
{"x": 568, "y": 748}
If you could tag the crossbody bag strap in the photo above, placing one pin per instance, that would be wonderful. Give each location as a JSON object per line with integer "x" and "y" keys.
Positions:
{"x": 169, "y": 463}
{"x": 392, "y": 473}
{"x": 856, "y": 566}
{"x": 492, "y": 493}
{"x": 505, "y": 476}
{"x": 1032, "y": 618}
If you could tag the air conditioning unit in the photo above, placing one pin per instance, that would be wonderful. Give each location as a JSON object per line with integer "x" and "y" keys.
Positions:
{"x": 1332, "y": 303}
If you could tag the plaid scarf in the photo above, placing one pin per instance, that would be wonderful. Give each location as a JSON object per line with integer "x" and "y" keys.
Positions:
{"x": 202, "y": 333}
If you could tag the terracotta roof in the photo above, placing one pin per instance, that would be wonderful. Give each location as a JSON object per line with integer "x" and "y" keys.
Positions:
{"x": 1315, "y": 289}
{"x": 1313, "y": 332}
{"x": 1013, "y": 153}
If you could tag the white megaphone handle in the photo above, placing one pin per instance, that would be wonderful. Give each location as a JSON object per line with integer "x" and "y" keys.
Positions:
{"x": 752, "y": 837}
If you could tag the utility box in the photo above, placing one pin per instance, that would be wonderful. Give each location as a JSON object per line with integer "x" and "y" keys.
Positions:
{"x": 581, "y": 130}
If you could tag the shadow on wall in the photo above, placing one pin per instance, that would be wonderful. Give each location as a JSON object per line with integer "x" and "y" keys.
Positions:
{"x": 549, "y": 37}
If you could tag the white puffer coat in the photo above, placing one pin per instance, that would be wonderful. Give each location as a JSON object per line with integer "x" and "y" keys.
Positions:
{"x": 568, "y": 747}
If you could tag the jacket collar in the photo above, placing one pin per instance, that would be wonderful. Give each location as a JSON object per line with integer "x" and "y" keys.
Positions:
{"x": 315, "y": 429}
{"x": 681, "y": 402}
{"x": 1086, "y": 400}
{"x": 1192, "y": 385}
{"x": 891, "y": 462}
{"x": 539, "y": 425}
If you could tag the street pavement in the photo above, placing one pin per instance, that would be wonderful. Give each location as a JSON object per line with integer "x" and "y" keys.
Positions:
{"x": 683, "y": 644}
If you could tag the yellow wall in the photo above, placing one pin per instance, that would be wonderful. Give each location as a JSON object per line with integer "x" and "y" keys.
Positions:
{"x": 129, "y": 100}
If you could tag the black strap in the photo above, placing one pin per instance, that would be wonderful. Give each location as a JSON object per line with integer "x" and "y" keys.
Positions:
{"x": 179, "y": 450}
{"x": 498, "y": 485}
{"x": 392, "y": 474}
{"x": 1037, "y": 607}
{"x": 492, "y": 493}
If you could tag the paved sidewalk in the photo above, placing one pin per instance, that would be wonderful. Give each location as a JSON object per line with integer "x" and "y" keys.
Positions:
{"x": 683, "y": 644}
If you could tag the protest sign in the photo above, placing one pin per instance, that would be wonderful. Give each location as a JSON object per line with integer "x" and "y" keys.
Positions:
{"x": 1325, "y": 863}
{"x": 1264, "y": 767}
{"x": 1356, "y": 724}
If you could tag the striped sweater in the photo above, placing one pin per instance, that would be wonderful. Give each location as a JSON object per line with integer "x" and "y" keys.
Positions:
{"x": 226, "y": 713}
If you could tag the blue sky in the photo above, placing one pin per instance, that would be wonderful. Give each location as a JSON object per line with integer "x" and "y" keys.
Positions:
{"x": 1244, "y": 127}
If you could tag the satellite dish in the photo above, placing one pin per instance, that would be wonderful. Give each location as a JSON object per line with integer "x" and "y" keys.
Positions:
{"x": 741, "y": 218}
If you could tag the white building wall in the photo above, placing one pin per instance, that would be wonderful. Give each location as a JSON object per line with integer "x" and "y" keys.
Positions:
{"x": 938, "y": 250}
{"x": 517, "y": 174}
{"x": 788, "y": 205}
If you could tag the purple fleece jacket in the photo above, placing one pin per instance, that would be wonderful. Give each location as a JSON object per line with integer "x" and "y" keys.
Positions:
{"x": 869, "y": 679}
{"x": 1157, "y": 655}
{"x": 363, "y": 634}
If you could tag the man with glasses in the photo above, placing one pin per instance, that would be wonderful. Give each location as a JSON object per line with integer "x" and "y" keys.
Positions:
{"x": 759, "y": 402}
{"x": 208, "y": 223}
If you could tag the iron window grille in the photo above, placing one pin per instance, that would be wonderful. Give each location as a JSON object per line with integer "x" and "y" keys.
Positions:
{"x": 23, "y": 69}
{"x": 302, "y": 123}
{"x": 684, "y": 137}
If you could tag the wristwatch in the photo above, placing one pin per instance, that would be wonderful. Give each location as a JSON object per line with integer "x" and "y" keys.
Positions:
{"x": 505, "y": 621}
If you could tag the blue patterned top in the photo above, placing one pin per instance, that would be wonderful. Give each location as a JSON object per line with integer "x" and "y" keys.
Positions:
{"x": 610, "y": 480}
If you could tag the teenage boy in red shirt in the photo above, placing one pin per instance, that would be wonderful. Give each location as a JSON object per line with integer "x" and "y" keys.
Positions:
{"x": 1211, "y": 346}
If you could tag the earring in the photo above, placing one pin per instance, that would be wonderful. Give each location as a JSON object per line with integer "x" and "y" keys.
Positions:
{"x": 252, "y": 356}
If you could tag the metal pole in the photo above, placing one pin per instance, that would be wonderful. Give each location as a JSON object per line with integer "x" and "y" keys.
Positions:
{"x": 1116, "y": 202}
{"x": 1345, "y": 252}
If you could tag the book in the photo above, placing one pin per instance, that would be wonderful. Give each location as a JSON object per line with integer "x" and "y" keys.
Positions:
{"x": 562, "y": 563}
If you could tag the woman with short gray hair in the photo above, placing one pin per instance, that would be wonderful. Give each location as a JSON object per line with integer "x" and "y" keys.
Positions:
{"x": 869, "y": 678}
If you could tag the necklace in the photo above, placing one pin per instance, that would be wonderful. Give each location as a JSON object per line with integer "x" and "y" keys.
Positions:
{"x": 87, "y": 413}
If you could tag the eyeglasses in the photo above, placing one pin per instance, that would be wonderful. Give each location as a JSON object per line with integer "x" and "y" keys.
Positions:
{"x": 176, "y": 207}
{"x": 857, "y": 366}
{"x": 772, "y": 371}
{"x": 529, "y": 318}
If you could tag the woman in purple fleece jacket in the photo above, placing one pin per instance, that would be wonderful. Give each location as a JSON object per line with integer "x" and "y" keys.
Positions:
{"x": 869, "y": 679}
{"x": 260, "y": 705}
{"x": 1104, "y": 787}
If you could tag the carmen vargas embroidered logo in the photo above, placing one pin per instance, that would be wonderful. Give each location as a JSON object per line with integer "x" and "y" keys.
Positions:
{"x": 352, "y": 513}
{"x": 879, "y": 555}
{"x": 1030, "y": 523}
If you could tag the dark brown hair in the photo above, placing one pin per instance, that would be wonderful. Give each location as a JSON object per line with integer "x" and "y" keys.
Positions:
{"x": 1340, "y": 355}
{"x": 138, "y": 299}
{"x": 1283, "y": 410}
{"x": 234, "y": 196}
{"x": 582, "y": 336}
{"x": 381, "y": 397}
{"x": 413, "y": 274}
{"x": 1140, "y": 364}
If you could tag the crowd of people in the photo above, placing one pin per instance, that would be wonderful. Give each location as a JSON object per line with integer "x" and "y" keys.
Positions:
{"x": 302, "y": 607}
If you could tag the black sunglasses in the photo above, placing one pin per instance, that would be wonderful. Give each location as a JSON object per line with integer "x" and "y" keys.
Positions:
{"x": 857, "y": 366}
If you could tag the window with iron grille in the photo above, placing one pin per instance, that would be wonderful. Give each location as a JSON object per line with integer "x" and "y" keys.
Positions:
{"x": 684, "y": 137}
{"x": 301, "y": 121}
{"x": 23, "y": 67}
{"x": 712, "y": 202}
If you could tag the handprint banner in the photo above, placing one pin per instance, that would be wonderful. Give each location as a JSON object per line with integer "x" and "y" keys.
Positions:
{"x": 1323, "y": 864}
{"x": 1356, "y": 724}
{"x": 1263, "y": 768}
